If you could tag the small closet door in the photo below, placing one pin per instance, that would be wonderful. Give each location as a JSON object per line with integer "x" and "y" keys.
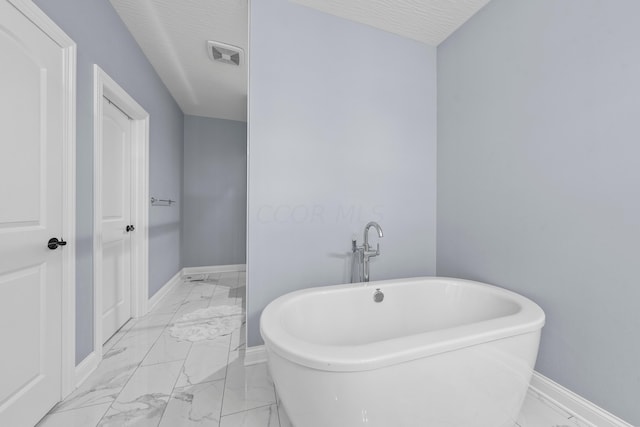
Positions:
{"x": 116, "y": 219}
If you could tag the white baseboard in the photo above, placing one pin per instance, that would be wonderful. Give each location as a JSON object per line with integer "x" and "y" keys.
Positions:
{"x": 85, "y": 368}
{"x": 214, "y": 269}
{"x": 254, "y": 355}
{"x": 164, "y": 290}
{"x": 576, "y": 405}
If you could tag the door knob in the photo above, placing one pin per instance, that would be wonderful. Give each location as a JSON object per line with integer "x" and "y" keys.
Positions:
{"x": 130, "y": 228}
{"x": 53, "y": 243}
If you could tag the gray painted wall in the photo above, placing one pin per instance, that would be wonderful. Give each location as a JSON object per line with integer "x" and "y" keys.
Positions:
{"x": 103, "y": 39}
{"x": 538, "y": 174}
{"x": 215, "y": 192}
{"x": 342, "y": 131}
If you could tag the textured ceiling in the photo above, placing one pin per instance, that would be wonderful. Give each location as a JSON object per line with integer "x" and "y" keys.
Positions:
{"x": 428, "y": 21}
{"x": 173, "y": 34}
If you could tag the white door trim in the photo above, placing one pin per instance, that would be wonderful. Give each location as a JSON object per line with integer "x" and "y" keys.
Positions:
{"x": 68, "y": 46}
{"x": 106, "y": 86}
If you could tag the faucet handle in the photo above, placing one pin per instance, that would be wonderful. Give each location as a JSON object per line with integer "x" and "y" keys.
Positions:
{"x": 371, "y": 253}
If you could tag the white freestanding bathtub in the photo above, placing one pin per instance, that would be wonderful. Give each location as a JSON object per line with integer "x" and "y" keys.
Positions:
{"x": 436, "y": 352}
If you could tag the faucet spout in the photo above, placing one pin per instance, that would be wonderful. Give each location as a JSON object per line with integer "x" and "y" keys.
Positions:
{"x": 366, "y": 250}
{"x": 366, "y": 233}
{"x": 376, "y": 226}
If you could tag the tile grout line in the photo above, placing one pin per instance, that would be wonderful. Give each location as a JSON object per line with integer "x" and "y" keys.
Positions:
{"x": 53, "y": 414}
{"x": 224, "y": 386}
{"x": 50, "y": 413}
{"x": 188, "y": 352}
{"x": 139, "y": 364}
{"x": 217, "y": 292}
{"x": 125, "y": 384}
{"x": 125, "y": 331}
{"x": 275, "y": 393}
{"x": 184, "y": 361}
{"x": 173, "y": 318}
{"x": 253, "y": 409}
{"x": 173, "y": 389}
{"x": 238, "y": 302}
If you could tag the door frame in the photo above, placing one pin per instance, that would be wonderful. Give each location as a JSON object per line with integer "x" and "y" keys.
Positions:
{"x": 105, "y": 86}
{"x": 68, "y": 320}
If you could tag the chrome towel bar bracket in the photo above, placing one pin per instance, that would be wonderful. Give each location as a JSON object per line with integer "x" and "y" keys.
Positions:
{"x": 162, "y": 202}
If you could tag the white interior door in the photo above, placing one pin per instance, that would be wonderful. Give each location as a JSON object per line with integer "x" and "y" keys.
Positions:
{"x": 116, "y": 219}
{"x": 31, "y": 150}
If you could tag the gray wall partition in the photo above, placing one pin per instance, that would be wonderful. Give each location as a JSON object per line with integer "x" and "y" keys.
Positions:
{"x": 215, "y": 192}
{"x": 539, "y": 174}
{"x": 342, "y": 131}
{"x": 103, "y": 39}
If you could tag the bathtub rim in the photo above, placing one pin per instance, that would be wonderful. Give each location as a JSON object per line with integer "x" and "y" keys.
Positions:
{"x": 363, "y": 357}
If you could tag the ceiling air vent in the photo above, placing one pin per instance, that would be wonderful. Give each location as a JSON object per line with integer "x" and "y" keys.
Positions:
{"x": 225, "y": 53}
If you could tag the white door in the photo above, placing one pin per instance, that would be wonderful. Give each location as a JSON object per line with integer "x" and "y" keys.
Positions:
{"x": 116, "y": 219}
{"x": 31, "y": 147}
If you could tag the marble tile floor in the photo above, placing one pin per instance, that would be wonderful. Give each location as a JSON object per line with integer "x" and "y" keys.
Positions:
{"x": 148, "y": 378}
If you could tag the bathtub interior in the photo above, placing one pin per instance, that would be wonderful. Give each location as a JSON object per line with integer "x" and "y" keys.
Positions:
{"x": 348, "y": 316}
